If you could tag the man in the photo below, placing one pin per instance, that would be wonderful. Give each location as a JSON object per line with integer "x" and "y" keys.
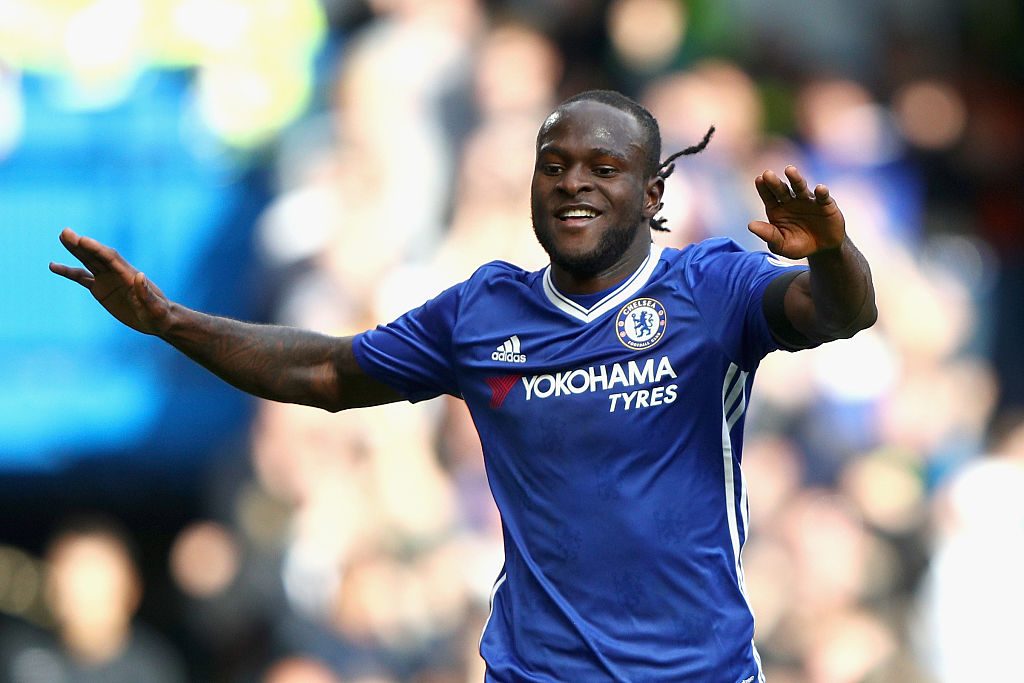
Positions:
{"x": 608, "y": 390}
{"x": 93, "y": 590}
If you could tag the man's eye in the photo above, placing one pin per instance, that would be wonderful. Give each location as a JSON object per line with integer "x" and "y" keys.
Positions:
{"x": 551, "y": 169}
{"x": 604, "y": 171}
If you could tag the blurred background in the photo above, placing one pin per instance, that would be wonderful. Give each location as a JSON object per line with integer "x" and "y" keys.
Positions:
{"x": 332, "y": 163}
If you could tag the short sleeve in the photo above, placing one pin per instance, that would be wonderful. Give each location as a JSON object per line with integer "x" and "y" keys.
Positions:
{"x": 413, "y": 354}
{"x": 728, "y": 285}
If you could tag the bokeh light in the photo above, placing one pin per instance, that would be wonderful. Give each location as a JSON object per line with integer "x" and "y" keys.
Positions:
{"x": 931, "y": 114}
{"x": 647, "y": 34}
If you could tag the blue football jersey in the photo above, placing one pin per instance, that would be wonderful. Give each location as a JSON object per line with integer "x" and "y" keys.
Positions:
{"x": 611, "y": 432}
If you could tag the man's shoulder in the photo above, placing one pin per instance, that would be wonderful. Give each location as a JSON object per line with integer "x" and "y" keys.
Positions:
{"x": 721, "y": 253}
{"x": 698, "y": 254}
{"x": 710, "y": 246}
{"x": 494, "y": 271}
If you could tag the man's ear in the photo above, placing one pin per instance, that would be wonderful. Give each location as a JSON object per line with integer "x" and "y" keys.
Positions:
{"x": 654, "y": 192}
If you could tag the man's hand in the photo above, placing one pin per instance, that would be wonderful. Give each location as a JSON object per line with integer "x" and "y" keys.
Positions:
{"x": 800, "y": 222}
{"x": 125, "y": 292}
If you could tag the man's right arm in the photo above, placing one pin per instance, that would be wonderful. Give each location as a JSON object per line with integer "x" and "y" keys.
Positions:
{"x": 277, "y": 363}
{"x": 273, "y": 362}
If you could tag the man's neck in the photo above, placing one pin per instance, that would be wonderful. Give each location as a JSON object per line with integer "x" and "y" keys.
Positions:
{"x": 568, "y": 282}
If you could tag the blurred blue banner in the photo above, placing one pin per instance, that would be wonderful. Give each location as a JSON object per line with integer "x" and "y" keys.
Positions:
{"x": 137, "y": 175}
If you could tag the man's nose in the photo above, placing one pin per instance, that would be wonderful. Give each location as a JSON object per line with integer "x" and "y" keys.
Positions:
{"x": 576, "y": 179}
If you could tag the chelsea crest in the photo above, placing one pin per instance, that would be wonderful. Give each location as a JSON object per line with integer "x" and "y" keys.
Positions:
{"x": 641, "y": 323}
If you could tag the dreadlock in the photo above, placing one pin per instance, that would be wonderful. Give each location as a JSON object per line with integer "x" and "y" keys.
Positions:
{"x": 666, "y": 168}
{"x": 652, "y": 136}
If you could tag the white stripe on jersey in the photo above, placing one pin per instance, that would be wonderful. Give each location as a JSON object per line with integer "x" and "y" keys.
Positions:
{"x": 734, "y": 404}
{"x": 729, "y": 400}
{"x": 740, "y": 406}
{"x": 619, "y": 296}
{"x": 490, "y": 609}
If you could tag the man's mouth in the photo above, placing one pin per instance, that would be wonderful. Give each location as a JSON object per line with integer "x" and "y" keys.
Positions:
{"x": 577, "y": 215}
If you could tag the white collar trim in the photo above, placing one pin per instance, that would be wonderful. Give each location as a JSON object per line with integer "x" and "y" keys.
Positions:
{"x": 618, "y": 296}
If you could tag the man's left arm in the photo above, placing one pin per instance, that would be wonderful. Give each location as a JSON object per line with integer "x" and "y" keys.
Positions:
{"x": 835, "y": 299}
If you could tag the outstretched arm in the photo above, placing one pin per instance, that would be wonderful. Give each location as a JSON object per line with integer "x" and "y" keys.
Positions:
{"x": 273, "y": 362}
{"x": 836, "y": 298}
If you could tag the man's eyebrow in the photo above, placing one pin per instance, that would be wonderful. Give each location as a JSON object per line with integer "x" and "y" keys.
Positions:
{"x": 596, "y": 151}
{"x": 550, "y": 149}
{"x": 605, "y": 152}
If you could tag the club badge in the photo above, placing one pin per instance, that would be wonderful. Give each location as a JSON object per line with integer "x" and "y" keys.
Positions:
{"x": 641, "y": 324}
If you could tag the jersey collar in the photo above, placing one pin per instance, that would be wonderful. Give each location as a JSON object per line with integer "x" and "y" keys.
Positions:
{"x": 630, "y": 286}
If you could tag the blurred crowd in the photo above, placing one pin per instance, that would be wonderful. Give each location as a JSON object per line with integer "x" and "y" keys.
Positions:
{"x": 884, "y": 471}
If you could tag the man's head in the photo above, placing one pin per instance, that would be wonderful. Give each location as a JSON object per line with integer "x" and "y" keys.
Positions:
{"x": 93, "y": 586}
{"x": 596, "y": 184}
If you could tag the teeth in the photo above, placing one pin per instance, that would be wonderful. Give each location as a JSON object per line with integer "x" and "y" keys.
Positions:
{"x": 579, "y": 213}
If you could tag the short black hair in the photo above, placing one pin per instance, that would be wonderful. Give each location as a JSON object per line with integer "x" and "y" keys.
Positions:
{"x": 649, "y": 125}
{"x": 651, "y": 131}
{"x": 90, "y": 524}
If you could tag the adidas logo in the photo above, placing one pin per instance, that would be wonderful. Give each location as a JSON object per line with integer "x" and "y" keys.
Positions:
{"x": 509, "y": 351}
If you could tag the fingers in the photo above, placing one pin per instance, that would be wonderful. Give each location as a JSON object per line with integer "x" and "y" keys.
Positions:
{"x": 140, "y": 298}
{"x": 767, "y": 232}
{"x": 764, "y": 192}
{"x": 774, "y": 190}
{"x": 796, "y": 180}
{"x": 79, "y": 275}
{"x": 144, "y": 290}
{"x": 149, "y": 294}
{"x": 73, "y": 242}
{"x": 149, "y": 303}
{"x": 821, "y": 194}
{"x": 97, "y": 257}
{"x": 777, "y": 187}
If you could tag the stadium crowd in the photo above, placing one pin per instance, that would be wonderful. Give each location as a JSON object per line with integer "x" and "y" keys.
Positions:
{"x": 883, "y": 471}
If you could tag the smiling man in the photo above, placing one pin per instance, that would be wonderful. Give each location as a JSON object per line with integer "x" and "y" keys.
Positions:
{"x": 590, "y": 191}
{"x": 608, "y": 389}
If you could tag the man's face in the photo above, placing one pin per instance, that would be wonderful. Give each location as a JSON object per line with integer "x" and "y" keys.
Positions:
{"x": 591, "y": 198}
